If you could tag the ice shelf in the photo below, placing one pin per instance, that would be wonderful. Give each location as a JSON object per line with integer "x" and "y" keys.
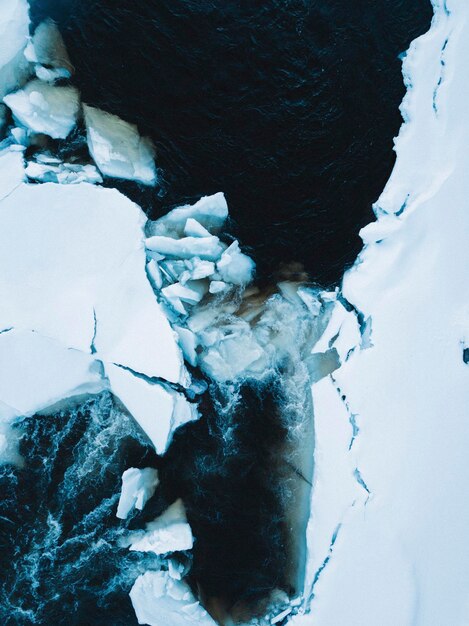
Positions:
{"x": 387, "y": 534}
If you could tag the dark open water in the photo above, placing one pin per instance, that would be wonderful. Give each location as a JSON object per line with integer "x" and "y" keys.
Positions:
{"x": 289, "y": 107}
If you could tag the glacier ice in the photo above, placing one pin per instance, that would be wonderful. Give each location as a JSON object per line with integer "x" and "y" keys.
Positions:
{"x": 117, "y": 147}
{"x": 44, "y": 108}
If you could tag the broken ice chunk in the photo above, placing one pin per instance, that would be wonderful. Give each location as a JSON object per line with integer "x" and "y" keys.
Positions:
{"x": 194, "y": 229}
{"x": 117, "y": 147}
{"x": 138, "y": 486}
{"x": 210, "y": 212}
{"x": 158, "y": 410}
{"x": 159, "y": 600}
{"x": 63, "y": 173}
{"x": 188, "y": 343}
{"x": 207, "y": 248}
{"x": 235, "y": 267}
{"x": 168, "y": 533}
{"x": 183, "y": 292}
{"x": 197, "y": 269}
{"x": 217, "y": 286}
{"x": 154, "y": 274}
{"x": 44, "y": 108}
{"x": 47, "y": 50}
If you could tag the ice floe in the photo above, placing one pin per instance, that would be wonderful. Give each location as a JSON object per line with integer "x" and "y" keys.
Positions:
{"x": 47, "y": 51}
{"x": 117, "y": 147}
{"x": 138, "y": 486}
{"x": 168, "y": 533}
{"x": 44, "y": 108}
{"x": 160, "y": 600}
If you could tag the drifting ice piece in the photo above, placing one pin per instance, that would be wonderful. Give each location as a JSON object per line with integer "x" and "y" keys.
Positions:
{"x": 117, "y": 147}
{"x": 168, "y": 533}
{"x": 159, "y": 600}
{"x": 138, "y": 486}
{"x": 210, "y": 212}
{"x": 207, "y": 248}
{"x": 158, "y": 410}
{"x": 44, "y": 108}
{"x": 47, "y": 48}
{"x": 14, "y": 31}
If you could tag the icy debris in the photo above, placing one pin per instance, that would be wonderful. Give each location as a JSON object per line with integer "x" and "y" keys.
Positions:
{"x": 206, "y": 248}
{"x": 63, "y": 173}
{"x": 217, "y": 286}
{"x": 168, "y": 533}
{"x": 138, "y": 486}
{"x": 184, "y": 292}
{"x": 235, "y": 267}
{"x": 46, "y": 49}
{"x": 210, "y": 211}
{"x": 14, "y": 31}
{"x": 195, "y": 269}
{"x": 160, "y": 600}
{"x": 44, "y": 108}
{"x": 117, "y": 147}
{"x": 158, "y": 410}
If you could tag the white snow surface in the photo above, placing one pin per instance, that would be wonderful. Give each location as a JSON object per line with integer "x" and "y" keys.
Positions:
{"x": 160, "y": 600}
{"x": 388, "y": 529}
{"x": 14, "y": 32}
{"x": 117, "y": 147}
{"x": 44, "y": 108}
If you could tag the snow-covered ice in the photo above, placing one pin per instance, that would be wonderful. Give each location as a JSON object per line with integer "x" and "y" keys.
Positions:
{"x": 44, "y": 108}
{"x": 14, "y": 32}
{"x": 387, "y": 534}
{"x": 117, "y": 147}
